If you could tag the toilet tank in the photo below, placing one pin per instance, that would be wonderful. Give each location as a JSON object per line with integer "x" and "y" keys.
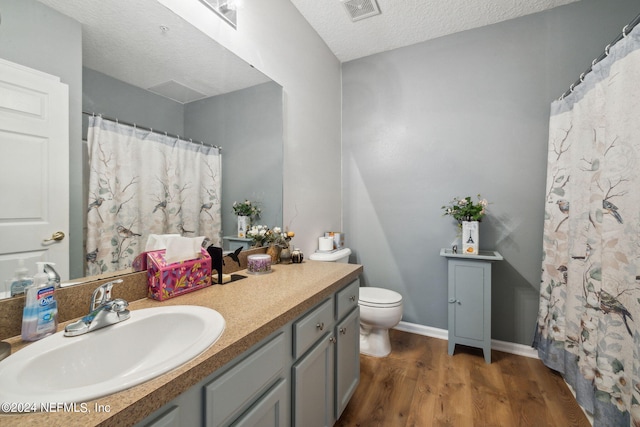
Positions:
{"x": 341, "y": 255}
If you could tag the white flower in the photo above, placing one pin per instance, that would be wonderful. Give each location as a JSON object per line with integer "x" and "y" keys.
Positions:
{"x": 277, "y": 230}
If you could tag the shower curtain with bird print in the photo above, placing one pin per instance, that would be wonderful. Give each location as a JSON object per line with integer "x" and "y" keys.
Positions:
{"x": 589, "y": 315}
{"x": 143, "y": 183}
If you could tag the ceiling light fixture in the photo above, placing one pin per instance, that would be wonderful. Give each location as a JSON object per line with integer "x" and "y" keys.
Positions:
{"x": 361, "y": 9}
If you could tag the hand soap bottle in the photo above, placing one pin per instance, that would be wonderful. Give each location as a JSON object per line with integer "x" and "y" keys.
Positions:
{"x": 22, "y": 279}
{"x": 40, "y": 315}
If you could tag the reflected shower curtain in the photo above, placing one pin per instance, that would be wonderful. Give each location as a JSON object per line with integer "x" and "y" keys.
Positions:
{"x": 143, "y": 183}
{"x": 589, "y": 316}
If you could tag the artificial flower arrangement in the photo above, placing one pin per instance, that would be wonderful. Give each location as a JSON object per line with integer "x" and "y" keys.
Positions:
{"x": 246, "y": 208}
{"x": 466, "y": 210}
{"x": 263, "y": 235}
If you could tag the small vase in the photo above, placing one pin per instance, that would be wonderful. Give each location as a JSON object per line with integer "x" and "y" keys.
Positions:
{"x": 244, "y": 222}
{"x": 470, "y": 237}
{"x": 274, "y": 252}
{"x": 285, "y": 255}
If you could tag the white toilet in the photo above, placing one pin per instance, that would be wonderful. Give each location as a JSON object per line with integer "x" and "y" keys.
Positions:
{"x": 380, "y": 310}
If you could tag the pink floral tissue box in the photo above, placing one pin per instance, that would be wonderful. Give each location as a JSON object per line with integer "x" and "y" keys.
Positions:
{"x": 172, "y": 280}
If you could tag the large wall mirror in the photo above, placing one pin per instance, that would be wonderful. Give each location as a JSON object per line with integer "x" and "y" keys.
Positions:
{"x": 139, "y": 62}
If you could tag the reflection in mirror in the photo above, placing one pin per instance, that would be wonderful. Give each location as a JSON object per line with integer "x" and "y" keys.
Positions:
{"x": 140, "y": 63}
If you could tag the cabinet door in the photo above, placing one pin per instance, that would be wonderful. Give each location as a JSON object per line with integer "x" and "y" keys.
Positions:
{"x": 313, "y": 386}
{"x": 269, "y": 411}
{"x": 469, "y": 301}
{"x": 170, "y": 418}
{"x": 347, "y": 360}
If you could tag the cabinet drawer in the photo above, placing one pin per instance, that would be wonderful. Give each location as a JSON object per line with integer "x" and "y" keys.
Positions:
{"x": 347, "y": 299}
{"x": 234, "y": 391}
{"x": 311, "y": 327}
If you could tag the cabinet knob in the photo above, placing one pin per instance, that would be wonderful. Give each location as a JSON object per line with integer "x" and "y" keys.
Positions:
{"x": 320, "y": 326}
{"x": 343, "y": 331}
{"x": 352, "y": 298}
{"x": 332, "y": 340}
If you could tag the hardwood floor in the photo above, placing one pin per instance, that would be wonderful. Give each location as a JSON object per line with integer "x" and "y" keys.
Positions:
{"x": 420, "y": 385}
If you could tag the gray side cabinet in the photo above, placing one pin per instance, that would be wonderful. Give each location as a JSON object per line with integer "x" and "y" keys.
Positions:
{"x": 303, "y": 374}
{"x": 469, "y": 299}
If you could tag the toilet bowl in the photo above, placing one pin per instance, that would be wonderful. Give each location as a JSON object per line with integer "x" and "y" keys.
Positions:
{"x": 380, "y": 310}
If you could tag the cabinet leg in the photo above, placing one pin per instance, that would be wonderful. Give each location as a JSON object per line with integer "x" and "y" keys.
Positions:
{"x": 452, "y": 346}
{"x": 487, "y": 354}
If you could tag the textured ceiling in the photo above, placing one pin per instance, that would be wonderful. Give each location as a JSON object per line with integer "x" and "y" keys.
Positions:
{"x": 124, "y": 40}
{"x": 406, "y": 22}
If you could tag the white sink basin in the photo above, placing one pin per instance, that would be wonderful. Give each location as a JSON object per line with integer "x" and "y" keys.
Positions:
{"x": 78, "y": 369}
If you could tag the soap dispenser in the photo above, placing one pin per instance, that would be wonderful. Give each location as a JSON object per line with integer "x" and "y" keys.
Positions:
{"x": 40, "y": 315}
{"x": 22, "y": 279}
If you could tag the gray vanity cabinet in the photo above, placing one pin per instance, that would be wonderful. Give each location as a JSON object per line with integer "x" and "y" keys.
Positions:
{"x": 302, "y": 375}
{"x": 347, "y": 360}
{"x": 325, "y": 378}
{"x": 347, "y": 332}
{"x": 247, "y": 391}
{"x": 313, "y": 386}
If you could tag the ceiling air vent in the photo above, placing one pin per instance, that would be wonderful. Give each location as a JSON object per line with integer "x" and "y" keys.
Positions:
{"x": 360, "y": 9}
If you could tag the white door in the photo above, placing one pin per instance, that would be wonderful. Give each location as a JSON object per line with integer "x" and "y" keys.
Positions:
{"x": 34, "y": 170}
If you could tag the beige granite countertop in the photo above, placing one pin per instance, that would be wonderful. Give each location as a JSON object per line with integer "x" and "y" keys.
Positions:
{"x": 253, "y": 308}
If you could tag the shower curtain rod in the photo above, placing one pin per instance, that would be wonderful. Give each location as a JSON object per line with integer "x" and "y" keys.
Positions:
{"x": 113, "y": 119}
{"x": 625, "y": 32}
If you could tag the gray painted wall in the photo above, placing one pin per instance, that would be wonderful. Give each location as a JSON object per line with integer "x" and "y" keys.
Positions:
{"x": 38, "y": 37}
{"x": 102, "y": 94}
{"x": 247, "y": 124}
{"x": 275, "y": 38}
{"x": 457, "y": 116}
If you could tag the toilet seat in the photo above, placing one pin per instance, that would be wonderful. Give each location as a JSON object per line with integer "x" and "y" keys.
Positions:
{"x": 379, "y": 297}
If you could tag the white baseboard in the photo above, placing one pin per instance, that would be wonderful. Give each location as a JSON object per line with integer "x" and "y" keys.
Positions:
{"x": 504, "y": 346}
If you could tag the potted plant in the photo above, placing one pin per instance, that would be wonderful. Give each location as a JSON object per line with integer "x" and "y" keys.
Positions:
{"x": 245, "y": 211}
{"x": 468, "y": 214}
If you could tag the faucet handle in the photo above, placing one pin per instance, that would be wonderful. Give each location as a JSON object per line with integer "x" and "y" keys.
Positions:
{"x": 119, "y": 305}
{"x": 102, "y": 294}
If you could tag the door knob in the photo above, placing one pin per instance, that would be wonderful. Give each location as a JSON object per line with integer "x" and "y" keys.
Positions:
{"x": 57, "y": 236}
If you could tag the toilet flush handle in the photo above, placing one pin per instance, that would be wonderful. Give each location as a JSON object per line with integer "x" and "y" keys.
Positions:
{"x": 453, "y": 301}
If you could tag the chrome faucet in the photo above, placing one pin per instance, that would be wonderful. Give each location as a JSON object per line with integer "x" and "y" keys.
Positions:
{"x": 103, "y": 311}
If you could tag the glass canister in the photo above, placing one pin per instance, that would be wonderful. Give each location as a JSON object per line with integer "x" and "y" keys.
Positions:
{"x": 296, "y": 256}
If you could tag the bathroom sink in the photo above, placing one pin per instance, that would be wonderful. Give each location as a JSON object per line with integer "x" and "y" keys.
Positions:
{"x": 78, "y": 369}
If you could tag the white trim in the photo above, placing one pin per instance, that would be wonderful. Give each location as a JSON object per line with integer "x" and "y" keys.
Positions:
{"x": 443, "y": 334}
{"x": 23, "y": 68}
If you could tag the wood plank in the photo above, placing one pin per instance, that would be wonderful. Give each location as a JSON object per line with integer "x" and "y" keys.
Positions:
{"x": 556, "y": 394}
{"x": 420, "y": 385}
